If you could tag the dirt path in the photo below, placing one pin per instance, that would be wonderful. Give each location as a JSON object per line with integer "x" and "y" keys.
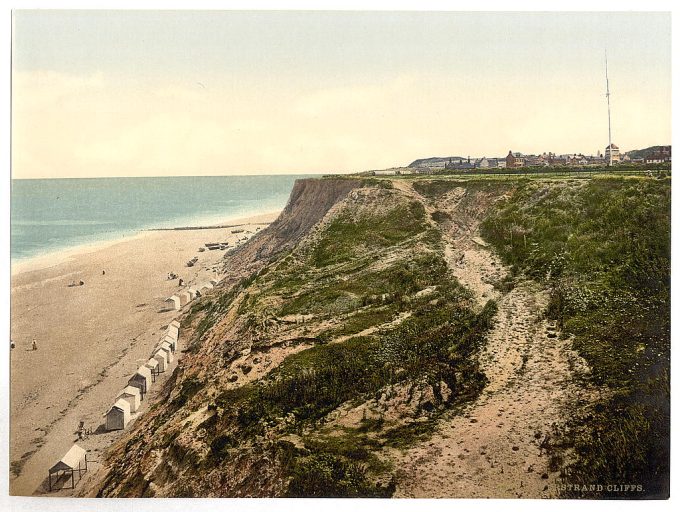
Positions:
{"x": 495, "y": 448}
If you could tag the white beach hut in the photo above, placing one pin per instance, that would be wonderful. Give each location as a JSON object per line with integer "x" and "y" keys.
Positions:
{"x": 132, "y": 396}
{"x": 167, "y": 348}
{"x": 118, "y": 416}
{"x": 192, "y": 292}
{"x": 162, "y": 358}
{"x": 142, "y": 380}
{"x": 171, "y": 341}
{"x": 184, "y": 297}
{"x": 175, "y": 324}
{"x": 175, "y": 301}
{"x": 152, "y": 365}
{"x": 74, "y": 461}
{"x": 172, "y": 331}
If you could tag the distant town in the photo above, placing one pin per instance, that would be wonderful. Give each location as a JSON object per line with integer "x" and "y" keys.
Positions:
{"x": 515, "y": 160}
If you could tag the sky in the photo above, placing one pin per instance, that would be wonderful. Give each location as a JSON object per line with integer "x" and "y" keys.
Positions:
{"x": 176, "y": 93}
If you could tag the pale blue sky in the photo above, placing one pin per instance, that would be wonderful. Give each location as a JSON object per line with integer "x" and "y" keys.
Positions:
{"x": 491, "y": 81}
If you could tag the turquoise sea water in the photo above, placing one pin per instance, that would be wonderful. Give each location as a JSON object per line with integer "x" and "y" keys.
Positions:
{"x": 54, "y": 214}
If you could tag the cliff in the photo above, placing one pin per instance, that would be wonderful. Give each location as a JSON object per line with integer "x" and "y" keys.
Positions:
{"x": 310, "y": 200}
{"x": 380, "y": 324}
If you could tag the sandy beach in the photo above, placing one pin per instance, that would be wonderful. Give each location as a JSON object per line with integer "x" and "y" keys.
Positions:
{"x": 91, "y": 338}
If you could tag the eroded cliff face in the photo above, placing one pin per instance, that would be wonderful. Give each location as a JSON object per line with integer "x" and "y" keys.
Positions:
{"x": 310, "y": 200}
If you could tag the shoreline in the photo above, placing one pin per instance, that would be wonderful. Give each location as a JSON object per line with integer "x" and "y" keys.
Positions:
{"x": 55, "y": 257}
{"x": 92, "y": 338}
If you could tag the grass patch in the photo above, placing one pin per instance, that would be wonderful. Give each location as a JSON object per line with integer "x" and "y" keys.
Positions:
{"x": 346, "y": 237}
{"x": 399, "y": 280}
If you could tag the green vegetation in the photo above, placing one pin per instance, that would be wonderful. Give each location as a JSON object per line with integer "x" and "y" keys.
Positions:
{"x": 436, "y": 344}
{"x": 397, "y": 281}
{"x": 435, "y": 188}
{"x": 604, "y": 248}
{"x": 361, "y": 321}
{"x": 347, "y": 236}
{"x": 207, "y": 311}
{"x": 336, "y": 277}
{"x": 329, "y": 476}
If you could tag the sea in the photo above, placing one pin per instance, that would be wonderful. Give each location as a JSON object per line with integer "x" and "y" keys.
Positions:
{"x": 50, "y": 215}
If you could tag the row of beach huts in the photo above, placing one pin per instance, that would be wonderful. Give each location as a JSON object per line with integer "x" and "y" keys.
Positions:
{"x": 183, "y": 298}
{"x": 130, "y": 398}
{"x": 127, "y": 402}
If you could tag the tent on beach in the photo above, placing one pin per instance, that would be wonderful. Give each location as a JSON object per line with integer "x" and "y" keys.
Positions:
{"x": 118, "y": 416}
{"x": 142, "y": 380}
{"x": 152, "y": 365}
{"x": 176, "y": 302}
{"x": 74, "y": 461}
{"x": 193, "y": 292}
{"x": 206, "y": 286}
{"x": 162, "y": 358}
{"x": 214, "y": 282}
{"x": 132, "y": 396}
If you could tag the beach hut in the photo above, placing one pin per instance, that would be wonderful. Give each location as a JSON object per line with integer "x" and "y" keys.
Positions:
{"x": 193, "y": 292}
{"x": 152, "y": 365}
{"x": 142, "y": 380}
{"x": 175, "y": 324}
{"x": 132, "y": 396}
{"x": 175, "y": 301}
{"x": 162, "y": 358}
{"x": 170, "y": 338}
{"x": 173, "y": 332}
{"x": 184, "y": 298}
{"x": 118, "y": 416}
{"x": 167, "y": 348}
{"x": 74, "y": 461}
{"x": 171, "y": 341}
{"x": 207, "y": 286}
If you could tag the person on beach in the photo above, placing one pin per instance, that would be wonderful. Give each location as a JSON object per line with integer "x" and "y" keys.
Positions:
{"x": 12, "y": 344}
{"x": 103, "y": 272}
{"x": 181, "y": 282}
{"x": 34, "y": 345}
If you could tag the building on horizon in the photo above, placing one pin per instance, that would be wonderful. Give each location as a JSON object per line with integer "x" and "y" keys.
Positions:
{"x": 514, "y": 160}
{"x": 660, "y": 156}
{"x": 615, "y": 154}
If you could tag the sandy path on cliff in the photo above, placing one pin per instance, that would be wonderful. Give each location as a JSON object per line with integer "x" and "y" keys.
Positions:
{"x": 494, "y": 448}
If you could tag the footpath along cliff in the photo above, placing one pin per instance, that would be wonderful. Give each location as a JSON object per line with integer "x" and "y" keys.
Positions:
{"x": 419, "y": 338}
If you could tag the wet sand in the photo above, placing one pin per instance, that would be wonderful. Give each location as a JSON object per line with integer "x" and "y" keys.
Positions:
{"x": 91, "y": 338}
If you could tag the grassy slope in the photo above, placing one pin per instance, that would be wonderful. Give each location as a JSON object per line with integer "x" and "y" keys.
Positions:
{"x": 362, "y": 269}
{"x": 604, "y": 247}
{"x": 436, "y": 344}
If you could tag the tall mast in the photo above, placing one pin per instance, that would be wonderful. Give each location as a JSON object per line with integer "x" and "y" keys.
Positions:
{"x": 609, "y": 112}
